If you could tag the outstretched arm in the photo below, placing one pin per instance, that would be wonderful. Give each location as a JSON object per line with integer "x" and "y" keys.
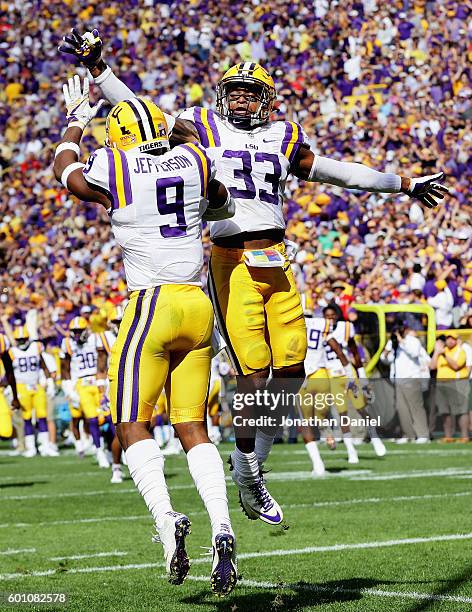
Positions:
{"x": 311, "y": 167}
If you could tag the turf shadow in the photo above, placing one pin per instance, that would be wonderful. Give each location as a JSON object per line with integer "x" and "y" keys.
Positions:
{"x": 11, "y": 485}
{"x": 449, "y": 588}
{"x": 297, "y": 596}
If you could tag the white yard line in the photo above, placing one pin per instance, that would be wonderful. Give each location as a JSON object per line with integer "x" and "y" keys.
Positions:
{"x": 253, "y": 555}
{"x": 112, "y": 553}
{"x": 17, "y": 551}
{"x": 325, "y": 504}
{"x": 322, "y": 589}
{"x": 416, "y": 474}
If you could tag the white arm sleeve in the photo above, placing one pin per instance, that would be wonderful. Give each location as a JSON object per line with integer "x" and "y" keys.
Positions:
{"x": 353, "y": 176}
{"x": 115, "y": 90}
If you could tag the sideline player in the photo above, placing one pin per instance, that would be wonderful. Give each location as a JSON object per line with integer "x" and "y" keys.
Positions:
{"x": 317, "y": 394}
{"x": 28, "y": 362}
{"x": 251, "y": 284}
{"x": 344, "y": 332}
{"x": 6, "y": 425}
{"x": 156, "y": 199}
{"x": 83, "y": 371}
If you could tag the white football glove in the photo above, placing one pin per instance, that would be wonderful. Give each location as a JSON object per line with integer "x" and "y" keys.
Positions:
{"x": 79, "y": 111}
{"x": 427, "y": 190}
{"x": 71, "y": 394}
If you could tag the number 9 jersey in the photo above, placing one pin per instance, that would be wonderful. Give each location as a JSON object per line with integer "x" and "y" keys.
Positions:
{"x": 155, "y": 198}
{"x": 253, "y": 164}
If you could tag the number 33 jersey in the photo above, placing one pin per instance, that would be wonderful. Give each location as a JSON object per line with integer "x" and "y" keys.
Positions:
{"x": 253, "y": 164}
{"x": 157, "y": 206}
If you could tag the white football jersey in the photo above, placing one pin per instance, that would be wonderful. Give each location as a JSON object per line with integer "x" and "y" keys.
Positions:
{"x": 158, "y": 203}
{"x": 27, "y": 363}
{"x": 317, "y": 329}
{"x": 253, "y": 164}
{"x": 343, "y": 331}
{"x": 83, "y": 357}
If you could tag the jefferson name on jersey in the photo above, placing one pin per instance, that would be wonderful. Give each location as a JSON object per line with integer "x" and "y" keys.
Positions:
{"x": 156, "y": 198}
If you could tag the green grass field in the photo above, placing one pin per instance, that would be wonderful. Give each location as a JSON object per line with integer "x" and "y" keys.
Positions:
{"x": 389, "y": 534}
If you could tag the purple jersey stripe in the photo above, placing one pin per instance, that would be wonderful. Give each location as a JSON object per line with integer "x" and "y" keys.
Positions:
{"x": 124, "y": 353}
{"x": 201, "y": 129}
{"x": 137, "y": 357}
{"x": 112, "y": 178}
{"x": 297, "y": 144}
{"x": 287, "y": 137}
{"x": 126, "y": 178}
{"x": 214, "y": 129}
{"x": 200, "y": 168}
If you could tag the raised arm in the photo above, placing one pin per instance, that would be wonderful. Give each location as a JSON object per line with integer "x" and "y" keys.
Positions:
{"x": 67, "y": 168}
{"x": 311, "y": 167}
{"x": 87, "y": 48}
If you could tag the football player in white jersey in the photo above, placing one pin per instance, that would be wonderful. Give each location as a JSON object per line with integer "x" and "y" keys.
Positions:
{"x": 251, "y": 283}
{"x": 83, "y": 373}
{"x": 316, "y": 395}
{"x": 28, "y": 362}
{"x": 6, "y": 424}
{"x": 344, "y": 332}
{"x": 156, "y": 200}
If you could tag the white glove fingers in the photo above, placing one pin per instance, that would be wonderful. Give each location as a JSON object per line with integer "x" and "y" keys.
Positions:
{"x": 65, "y": 91}
{"x": 86, "y": 87}
{"x": 77, "y": 93}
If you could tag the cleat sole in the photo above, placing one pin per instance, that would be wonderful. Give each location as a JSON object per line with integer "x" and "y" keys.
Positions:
{"x": 180, "y": 564}
{"x": 224, "y": 577}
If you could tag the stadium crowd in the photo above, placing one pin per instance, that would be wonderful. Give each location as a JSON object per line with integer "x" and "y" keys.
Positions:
{"x": 385, "y": 85}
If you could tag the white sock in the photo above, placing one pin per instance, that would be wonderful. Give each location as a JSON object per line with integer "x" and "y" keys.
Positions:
{"x": 245, "y": 464}
{"x": 146, "y": 466}
{"x": 347, "y": 438}
{"x": 312, "y": 449}
{"x": 159, "y": 435}
{"x": 78, "y": 445}
{"x": 264, "y": 444}
{"x": 116, "y": 466}
{"x": 29, "y": 442}
{"x": 43, "y": 438}
{"x": 206, "y": 468}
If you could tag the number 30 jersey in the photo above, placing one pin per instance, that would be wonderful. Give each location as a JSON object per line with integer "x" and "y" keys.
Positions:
{"x": 253, "y": 164}
{"x": 158, "y": 203}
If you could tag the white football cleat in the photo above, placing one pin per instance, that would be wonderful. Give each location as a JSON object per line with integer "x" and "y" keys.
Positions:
{"x": 318, "y": 471}
{"x": 116, "y": 475}
{"x": 379, "y": 447}
{"x": 224, "y": 571}
{"x": 31, "y": 452}
{"x": 102, "y": 459}
{"x": 422, "y": 441}
{"x": 173, "y": 447}
{"x": 172, "y": 536}
{"x": 352, "y": 456}
{"x": 255, "y": 500}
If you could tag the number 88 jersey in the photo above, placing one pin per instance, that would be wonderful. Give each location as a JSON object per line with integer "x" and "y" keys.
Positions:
{"x": 156, "y": 211}
{"x": 253, "y": 164}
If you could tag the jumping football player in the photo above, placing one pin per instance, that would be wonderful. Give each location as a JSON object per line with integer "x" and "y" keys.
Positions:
{"x": 251, "y": 284}
{"x": 156, "y": 200}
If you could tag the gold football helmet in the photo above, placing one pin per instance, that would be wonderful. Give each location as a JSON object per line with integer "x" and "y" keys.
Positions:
{"x": 137, "y": 122}
{"x": 21, "y": 335}
{"x": 78, "y": 328}
{"x": 251, "y": 76}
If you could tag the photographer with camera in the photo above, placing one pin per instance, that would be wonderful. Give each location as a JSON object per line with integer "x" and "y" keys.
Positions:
{"x": 406, "y": 357}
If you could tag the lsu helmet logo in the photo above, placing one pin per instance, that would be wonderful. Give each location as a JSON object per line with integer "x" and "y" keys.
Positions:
{"x": 251, "y": 76}
{"x": 137, "y": 122}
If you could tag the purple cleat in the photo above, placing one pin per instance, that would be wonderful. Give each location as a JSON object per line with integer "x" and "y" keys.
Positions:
{"x": 224, "y": 573}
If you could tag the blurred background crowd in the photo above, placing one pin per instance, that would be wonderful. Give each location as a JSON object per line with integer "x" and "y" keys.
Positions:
{"x": 385, "y": 84}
